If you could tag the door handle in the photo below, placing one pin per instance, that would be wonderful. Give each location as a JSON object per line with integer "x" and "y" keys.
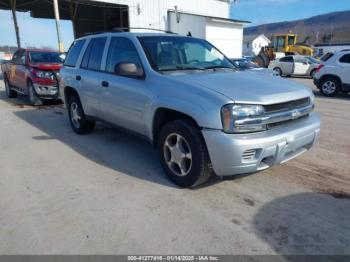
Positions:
{"x": 78, "y": 77}
{"x": 105, "y": 84}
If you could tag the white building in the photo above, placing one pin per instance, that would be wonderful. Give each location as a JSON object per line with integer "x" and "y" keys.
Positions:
{"x": 253, "y": 44}
{"x": 207, "y": 19}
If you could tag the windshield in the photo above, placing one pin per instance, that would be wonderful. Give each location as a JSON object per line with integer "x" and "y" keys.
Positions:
{"x": 183, "y": 53}
{"x": 46, "y": 57}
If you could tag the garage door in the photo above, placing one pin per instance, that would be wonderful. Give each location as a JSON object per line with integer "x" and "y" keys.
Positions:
{"x": 226, "y": 36}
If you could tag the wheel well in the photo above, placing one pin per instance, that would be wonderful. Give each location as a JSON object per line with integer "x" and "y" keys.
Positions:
{"x": 331, "y": 76}
{"x": 69, "y": 92}
{"x": 28, "y": 81}
{"x": 164, "y": 116}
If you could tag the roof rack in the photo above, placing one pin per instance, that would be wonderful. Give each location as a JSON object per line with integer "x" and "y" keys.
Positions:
{"x": 126, "y": 29}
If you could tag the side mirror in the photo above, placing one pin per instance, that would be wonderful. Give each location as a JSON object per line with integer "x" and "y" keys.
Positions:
{"x": 129, "y": 69}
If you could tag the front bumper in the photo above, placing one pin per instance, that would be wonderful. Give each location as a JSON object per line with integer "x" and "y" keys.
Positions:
{"x": 47, "y": 91}
{"x": 232, "y": 154}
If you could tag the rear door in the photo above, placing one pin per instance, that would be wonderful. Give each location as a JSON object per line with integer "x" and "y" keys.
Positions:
{"x": 301, "y": 66}
{"x": 123, "y": 98}
{"x": 287, "y": 65}
{"x": 90, "y": 74}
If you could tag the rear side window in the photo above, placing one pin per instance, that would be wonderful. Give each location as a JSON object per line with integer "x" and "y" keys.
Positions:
{"x": 345, "y": 59}
{"x": 287, "y": 59}
{"x": 121, "y": 50}
{"x": 93, "y": 55}
{"x": 326, "y": 57}
{"x": 73, "y": 53}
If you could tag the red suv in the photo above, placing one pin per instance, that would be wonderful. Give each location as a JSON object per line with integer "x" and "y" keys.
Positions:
{"x": 33, "y": 72}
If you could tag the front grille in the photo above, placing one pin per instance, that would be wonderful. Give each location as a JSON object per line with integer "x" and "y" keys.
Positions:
{"x": 286, "y": 106}
{"x": 278, "y": 124}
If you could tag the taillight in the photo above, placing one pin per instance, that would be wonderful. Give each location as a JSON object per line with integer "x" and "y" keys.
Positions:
{"x": 319, "y": 68}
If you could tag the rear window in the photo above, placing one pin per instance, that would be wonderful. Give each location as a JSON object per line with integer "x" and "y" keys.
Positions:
{"x": 345, "y": 59}
{"x": 93, "y": 55}
{"x": 326, "y": 57}
{"x": 73, "y": 53}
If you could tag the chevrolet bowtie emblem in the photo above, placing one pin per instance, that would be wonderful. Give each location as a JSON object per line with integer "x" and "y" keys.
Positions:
{"x": 296, "y": 114}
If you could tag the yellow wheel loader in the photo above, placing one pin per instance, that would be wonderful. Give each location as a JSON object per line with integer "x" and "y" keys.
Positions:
{"x": 281, "y": 45}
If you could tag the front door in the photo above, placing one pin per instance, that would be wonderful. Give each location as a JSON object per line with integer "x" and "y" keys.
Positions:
{"x": 123, "y": 99}
{"x": 21, "y": 71}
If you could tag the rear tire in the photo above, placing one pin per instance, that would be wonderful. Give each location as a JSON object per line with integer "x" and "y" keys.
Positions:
{"x": 183, "y": 154}
{"x": 9, "y": 92}
{"x": 77, "y": 117}
{"x": 329, "y": 86}
{"x": 34, "y": 99}
{"x": 312, "y": 73}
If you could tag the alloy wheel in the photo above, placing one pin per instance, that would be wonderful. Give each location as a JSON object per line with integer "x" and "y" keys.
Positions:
{"x": 329, "y": 87}
{"x": 75, "y": 114}
{"x": 177, "y": 154}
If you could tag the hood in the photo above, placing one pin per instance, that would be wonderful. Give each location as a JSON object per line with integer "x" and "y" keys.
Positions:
{"x": 47, "y": 66}
{"x": 247, "y": 87}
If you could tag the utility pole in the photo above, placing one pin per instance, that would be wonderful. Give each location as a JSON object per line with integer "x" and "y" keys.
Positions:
{"x": 58, "y": 28}
{"x": 14, "y": 17}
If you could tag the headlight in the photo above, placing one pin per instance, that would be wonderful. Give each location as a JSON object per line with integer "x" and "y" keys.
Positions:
{"x": 44, "y": 74}
{"x": 233, "y": 112}
{"x": 312, "y": 100}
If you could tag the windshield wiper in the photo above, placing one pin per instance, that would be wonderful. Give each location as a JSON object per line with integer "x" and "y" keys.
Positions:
{"x": 218, "y": 66}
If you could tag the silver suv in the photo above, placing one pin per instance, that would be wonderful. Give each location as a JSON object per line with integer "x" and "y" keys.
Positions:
{"x": 187, "y": 98}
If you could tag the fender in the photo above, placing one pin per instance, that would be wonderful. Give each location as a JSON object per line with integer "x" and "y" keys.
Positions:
{"x": 204, "y": 117}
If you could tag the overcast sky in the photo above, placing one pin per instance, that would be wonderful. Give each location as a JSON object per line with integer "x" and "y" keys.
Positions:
{"x": 42, "y": 32}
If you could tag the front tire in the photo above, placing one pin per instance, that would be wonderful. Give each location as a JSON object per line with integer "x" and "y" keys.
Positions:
{"x": 34, "y": 99}
{"x": 9, "y": 92}
{"x": 183, "y": 154}
{"x": 329, "y": 86}
{"x": 77, "y": 117}
{"x": 278, "y": 71}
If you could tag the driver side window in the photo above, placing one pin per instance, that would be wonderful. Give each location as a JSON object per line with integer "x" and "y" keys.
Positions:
{"x": 195, "y": 51}
{"x": 121, "y": 50}
{"x": 19, "y": 58}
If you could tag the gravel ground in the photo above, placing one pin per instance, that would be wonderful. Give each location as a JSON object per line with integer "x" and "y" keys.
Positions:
{"x": 105, "y": 193}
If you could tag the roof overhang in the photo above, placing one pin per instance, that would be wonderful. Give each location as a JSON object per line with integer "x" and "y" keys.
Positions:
{"x": 214, "y": 18}
{"x": 44, "y": 8}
